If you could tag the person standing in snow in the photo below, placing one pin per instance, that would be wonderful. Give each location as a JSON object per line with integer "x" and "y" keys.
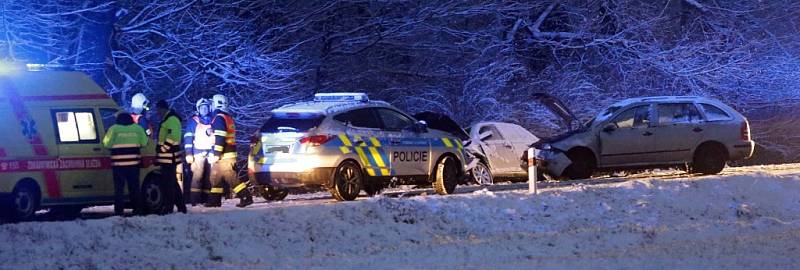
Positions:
{"x": 197, "y": 144}
{"x": 125, "y": 139}
{"x": 170, "y": 155}
{"x": 223, "y": 156}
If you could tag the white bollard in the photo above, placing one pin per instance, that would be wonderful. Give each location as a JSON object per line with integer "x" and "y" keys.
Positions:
{"x": 531, "y": 170}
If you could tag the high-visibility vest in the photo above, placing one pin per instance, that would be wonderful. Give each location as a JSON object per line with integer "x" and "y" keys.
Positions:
{"x": 203, "y": 141}
{"x": 125, "y": 142}
{"x": 224, "y": 136}
{"x": 169, "y": 136}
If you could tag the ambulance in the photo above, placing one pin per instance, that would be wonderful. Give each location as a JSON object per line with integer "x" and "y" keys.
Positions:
{"x": 51, "y": 152}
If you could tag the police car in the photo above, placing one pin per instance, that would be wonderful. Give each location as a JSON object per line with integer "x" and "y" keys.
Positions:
{"x": 348, "y": 143}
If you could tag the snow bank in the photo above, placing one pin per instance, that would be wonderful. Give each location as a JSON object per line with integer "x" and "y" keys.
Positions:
{"x": 731, "y": 222}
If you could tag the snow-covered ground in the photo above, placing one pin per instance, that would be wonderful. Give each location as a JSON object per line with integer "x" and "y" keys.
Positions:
{"x": 747, "y": 218}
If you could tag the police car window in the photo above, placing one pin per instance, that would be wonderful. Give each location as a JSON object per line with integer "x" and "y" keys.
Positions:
{"x": 363, "y": 118}
{"x": 636, "y": 117}
{"x": 713, "y": 113}
{"x": 108, "y": 116}
{"x": 76, "y": 126}
{"x": 291, "y": 123}
{"x": 677, "y": 113}
{"x": 393, "y": 120}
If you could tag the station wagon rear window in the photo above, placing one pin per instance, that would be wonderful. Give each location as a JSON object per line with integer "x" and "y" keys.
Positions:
{"x": 292, "y": 123}
{"x": 713, "y": 113}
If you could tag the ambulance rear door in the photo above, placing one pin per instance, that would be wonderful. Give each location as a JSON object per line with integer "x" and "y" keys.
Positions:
{"x": 84, "y": 165}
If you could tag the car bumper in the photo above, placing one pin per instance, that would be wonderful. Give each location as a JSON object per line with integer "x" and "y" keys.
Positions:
{"x": 313, "y": 177}
{"x": 742, "y": 150}
{"x": 550, "y": 162}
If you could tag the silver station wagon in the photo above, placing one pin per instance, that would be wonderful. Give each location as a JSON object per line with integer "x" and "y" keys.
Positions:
{"x": 696, "y": 133}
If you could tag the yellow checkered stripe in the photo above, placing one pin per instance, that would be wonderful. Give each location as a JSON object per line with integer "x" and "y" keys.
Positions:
{"x": 369, "y": 150}
{"x": 452, "y": 143}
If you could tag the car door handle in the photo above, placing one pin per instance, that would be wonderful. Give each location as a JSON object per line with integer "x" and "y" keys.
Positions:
{"x": 647, "y": 133}
{"x": 394, "y": 142}
{"x": 697, "y": 129}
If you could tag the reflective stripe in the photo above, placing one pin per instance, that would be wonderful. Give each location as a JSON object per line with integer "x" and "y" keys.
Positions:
{"x": 377, "y": 157}
{"x": 345, "y": 140}
{"x": 220, "y": 133}
{"x": 188, "y": 146}
{"x": 459, "y": 145}
{"x": 385, "y": 172}
{"x": 229, "y": 155}
{"x": 126, "y": 145}
{"x": 196, "y": 190}
{"x": 131, "y": 156}
{"x": 216, "y": 190}
{"x": 363, "y": 157}
{"x": 345, "y": 149}
{"x": 166, "y": 155}
{"x": 188, "y": 134}
{"x": 239, "y": 188}
{"x": 125, "y": 163}
{"x": 170, "y": 141}
{"x": 164, "y": 161}
{"x": 371, "y": 172}
{"x": 375, "y": 142}
{"x": 447, "y": 142}
{"x": 219, "y": 148}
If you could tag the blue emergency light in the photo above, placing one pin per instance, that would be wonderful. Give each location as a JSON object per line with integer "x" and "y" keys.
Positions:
{"x": 341, "y": 97}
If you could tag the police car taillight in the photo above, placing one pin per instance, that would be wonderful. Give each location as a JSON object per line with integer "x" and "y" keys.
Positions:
{"x": 315, "y": 140}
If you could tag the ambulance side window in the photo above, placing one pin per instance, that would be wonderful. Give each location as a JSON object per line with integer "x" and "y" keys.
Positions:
{"x": 75, "y": 126}
{"x": 109, "y": 117}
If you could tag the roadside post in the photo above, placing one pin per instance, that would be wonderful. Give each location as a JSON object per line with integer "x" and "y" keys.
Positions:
{"x": 531, "y": 171}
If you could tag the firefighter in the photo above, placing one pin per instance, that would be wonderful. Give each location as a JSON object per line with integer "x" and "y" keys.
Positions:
{"x": 197, "y": 144}
{"x": 125, "y": 139}
{"x": 140, "y": 105}
{"x": 223, "y": 156}
{"x": 169, "y": 155}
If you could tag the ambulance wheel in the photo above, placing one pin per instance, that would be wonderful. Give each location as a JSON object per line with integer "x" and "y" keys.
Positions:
{"x": 153, "y": 195}
{"x": 347, "y": 180}
{"x": 24, "y": 201}
{"x": 272, "y": 194}
{"x": 446, "y": 176}
{"x": 65, "y": 212}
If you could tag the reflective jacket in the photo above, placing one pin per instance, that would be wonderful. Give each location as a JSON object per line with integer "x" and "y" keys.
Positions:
{"x": 169, "y": 138}
{"x": 125, "y": 142}
{"x": 196, "y": 138}
{"x": 224, "y": 130}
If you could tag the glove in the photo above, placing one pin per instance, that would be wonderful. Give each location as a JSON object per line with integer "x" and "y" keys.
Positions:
{"x": 212, "y": 159}
{"x": 189, "y": 159}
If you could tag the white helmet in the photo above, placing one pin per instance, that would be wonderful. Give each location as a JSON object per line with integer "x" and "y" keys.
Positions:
{"x": 202, "y": 102}
{"x": 219, "y": 102}
{"x": 139, "y": 103}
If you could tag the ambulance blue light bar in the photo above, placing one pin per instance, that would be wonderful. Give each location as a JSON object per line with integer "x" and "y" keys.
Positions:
{"x": 341, "y": 97}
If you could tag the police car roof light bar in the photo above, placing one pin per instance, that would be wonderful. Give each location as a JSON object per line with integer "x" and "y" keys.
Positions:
{"x": 341, "y": 97}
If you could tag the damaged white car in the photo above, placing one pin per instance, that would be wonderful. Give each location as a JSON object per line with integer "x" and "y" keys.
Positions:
{"x": 695, "y": 133}
{"x": 492, "y": 148}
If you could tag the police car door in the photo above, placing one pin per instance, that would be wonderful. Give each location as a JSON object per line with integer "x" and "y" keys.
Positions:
{"x": 409, "y": 150}
{"x": 367, "y": 140}
{"x": 83, "y": 163}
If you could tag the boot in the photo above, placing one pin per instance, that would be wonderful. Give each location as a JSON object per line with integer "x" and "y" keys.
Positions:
{"x": 214, "y": 200}
{"x": 245, "y": 198}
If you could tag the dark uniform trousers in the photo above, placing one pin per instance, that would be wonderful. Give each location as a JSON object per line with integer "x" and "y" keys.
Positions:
{"x": 126, "y": 175}
{"x": 173, "y": 195}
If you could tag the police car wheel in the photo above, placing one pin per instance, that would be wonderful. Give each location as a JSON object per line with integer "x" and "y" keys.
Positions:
{"x": 482, "y": 175}
{"x": 446, "y": 176}
{"x": 347, "y": 181}
{"x": 24, "y": 202}
{"x": 274, "y": 194}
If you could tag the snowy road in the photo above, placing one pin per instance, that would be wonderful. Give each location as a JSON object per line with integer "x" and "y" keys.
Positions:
{"x": 746, "y": 218}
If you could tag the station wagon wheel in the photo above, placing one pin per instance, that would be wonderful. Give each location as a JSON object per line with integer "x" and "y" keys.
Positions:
{"x": 446, "y": 176}
{"x": 482, "y": 175}
{"x": 708, "y": 159}
{"x": 347, "y": 180}
{"x": 24, "y": 202}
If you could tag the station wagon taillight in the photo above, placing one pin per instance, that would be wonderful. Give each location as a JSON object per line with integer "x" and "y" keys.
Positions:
{"x": 315, "y": 140}
{"x": 745, "y": 131}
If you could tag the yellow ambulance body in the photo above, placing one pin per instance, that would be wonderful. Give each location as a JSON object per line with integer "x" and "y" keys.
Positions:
{"x": 51, "y": 152}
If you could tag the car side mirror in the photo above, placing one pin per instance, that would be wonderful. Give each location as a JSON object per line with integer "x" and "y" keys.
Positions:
{"x": 609, "y": 128}
{"x": 418, "y": 127}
